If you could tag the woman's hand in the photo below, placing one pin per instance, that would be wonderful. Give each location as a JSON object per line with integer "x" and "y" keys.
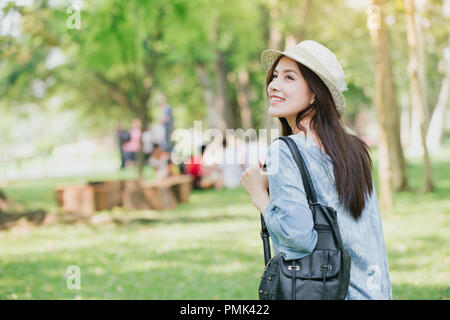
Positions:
{"x": 256, "y": 183}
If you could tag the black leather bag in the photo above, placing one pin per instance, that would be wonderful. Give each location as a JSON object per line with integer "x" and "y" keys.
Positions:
{"x": 322, "y": 275}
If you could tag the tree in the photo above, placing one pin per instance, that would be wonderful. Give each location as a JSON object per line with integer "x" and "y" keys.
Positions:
{"x": 391, "y": 170}
{"x": 417, "y": 99}
{"x": 415, "y": 147}
{"x": 434, "y": 135}
{"x": 285, "y": 24}
{"x": 124, "y": 53}
{"x": 384, "y": 169}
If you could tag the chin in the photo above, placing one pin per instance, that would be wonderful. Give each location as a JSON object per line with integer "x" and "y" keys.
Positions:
{"x": 274, "y": 113}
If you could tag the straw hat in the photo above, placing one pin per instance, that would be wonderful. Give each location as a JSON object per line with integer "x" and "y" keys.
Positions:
{"x": 320, "y": 60}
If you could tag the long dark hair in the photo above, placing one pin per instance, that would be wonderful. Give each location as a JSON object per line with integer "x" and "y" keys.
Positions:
{"x": 350, "y": 155}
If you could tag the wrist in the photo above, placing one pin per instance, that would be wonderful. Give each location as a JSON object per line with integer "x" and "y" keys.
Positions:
{"x": 261, "y": 202}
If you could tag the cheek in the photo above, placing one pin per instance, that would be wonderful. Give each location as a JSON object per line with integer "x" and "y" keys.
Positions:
{"x": 299, "y": 98}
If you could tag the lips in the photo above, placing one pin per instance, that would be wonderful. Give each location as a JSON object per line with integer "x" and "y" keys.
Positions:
{"x": 275, "y": 99}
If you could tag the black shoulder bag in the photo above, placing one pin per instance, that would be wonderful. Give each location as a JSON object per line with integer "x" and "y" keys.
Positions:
{"x": 322, "y": 275}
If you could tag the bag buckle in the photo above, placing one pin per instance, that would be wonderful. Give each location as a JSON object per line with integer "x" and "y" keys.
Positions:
{"x": 311, "y": 205}
{"x": 294, "y": 268}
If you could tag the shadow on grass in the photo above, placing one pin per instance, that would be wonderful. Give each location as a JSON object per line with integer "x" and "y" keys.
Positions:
{"x": 193, "y": 219}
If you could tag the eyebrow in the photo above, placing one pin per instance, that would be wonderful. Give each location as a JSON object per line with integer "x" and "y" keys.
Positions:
{"x": 287, "y": 70}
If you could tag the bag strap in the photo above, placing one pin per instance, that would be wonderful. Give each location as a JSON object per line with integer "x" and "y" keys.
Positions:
{"x": 307, "y": 182}
{"x": 265, "y": 235}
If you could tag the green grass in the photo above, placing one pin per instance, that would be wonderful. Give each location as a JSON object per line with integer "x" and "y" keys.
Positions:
{"x": 208, "y": 248}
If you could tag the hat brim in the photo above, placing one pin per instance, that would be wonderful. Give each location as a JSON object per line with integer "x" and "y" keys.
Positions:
{"x": 268, "y": 58}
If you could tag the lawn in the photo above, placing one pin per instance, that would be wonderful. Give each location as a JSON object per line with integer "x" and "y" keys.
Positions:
{"x": 209, "y": 248}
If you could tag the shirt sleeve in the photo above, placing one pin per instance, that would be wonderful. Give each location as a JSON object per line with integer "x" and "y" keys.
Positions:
{"x": 288, "y": 216}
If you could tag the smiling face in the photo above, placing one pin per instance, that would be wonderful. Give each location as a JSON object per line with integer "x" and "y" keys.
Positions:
{"x": 288, "y": 91}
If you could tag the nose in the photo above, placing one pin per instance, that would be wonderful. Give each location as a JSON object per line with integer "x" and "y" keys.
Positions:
{"x": 273, "y": 86}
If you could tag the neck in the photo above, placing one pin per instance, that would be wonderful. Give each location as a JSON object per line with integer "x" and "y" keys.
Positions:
{"x": 309, "y": 132}
{"x": 304, "y": 122}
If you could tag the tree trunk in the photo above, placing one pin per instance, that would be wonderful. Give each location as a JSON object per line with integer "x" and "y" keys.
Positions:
{"x": 222, "y": 99}
{"x": 421, "y": 54}
{"x": 435, "y": 129}
{"x": 243, "y": 99}
{"x": 292, "y": 40}
{"x": 417, "y": 99}
{"x": 405, "y": 120}
{"x": 212, "y": 118}
{"x": 392, "y": 167}
{"x": 304, "y": 14}
{"x": 415, "y": 148}
{"x": 273, "y": 40}
{"x": 381, "y": 73}
{"x": 394, "y": 145}
{"x": 143, "y": 117}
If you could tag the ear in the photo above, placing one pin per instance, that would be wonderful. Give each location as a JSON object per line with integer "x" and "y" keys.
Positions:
{"x": 313, "y": 99}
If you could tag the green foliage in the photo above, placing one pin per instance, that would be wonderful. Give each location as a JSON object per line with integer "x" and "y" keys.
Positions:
{"x": 126, "y": 51}
{"x": 356, "y": 100}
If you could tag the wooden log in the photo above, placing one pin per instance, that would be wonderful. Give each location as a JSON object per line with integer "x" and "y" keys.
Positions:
{"x": 59, "y": 192}
{"x": 107, "y": 194}
{"x": 78, "y": 199}
{"x": 133, "y": 196}
{"x": 165, "y": 193}
{"x": 101, "y": 198}
{"x": 160, "y": 197}
{"x": 182, "y": 187}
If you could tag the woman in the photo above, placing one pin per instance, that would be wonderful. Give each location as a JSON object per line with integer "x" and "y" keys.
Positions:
{"x": 304, "y": 85}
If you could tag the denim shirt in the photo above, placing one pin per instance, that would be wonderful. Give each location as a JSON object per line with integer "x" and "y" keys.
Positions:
{"x": 290, "y": 224}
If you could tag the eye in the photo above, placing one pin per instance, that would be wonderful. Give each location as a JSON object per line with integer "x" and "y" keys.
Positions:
{"x": 287, "y": 77}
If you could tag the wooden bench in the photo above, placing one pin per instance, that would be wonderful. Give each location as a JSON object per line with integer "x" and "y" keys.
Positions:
{"x": 76, "y": 199}
{"x": 86, "y": 199}
{"x": 132, "y": 195}
{"x": 165, "y": 193}
{"x": 107, "y": 194}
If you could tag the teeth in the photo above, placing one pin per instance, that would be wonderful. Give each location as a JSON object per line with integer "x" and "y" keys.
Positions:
{"x": 276, "y": 100}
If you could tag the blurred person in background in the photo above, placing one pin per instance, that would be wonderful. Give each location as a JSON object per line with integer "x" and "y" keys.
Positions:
{"x": 232, "y": 164}
{"x": 158, "y": 134}
{"x": 132, "y": 147}
{"x": 147, "y": 142}
{"x": 122, "y": 136}
{"x": 160, "y": 160}
{"x": 205, "y": 176}
{"x": 194, "y": 167}
{"x": 167, "y": 123}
